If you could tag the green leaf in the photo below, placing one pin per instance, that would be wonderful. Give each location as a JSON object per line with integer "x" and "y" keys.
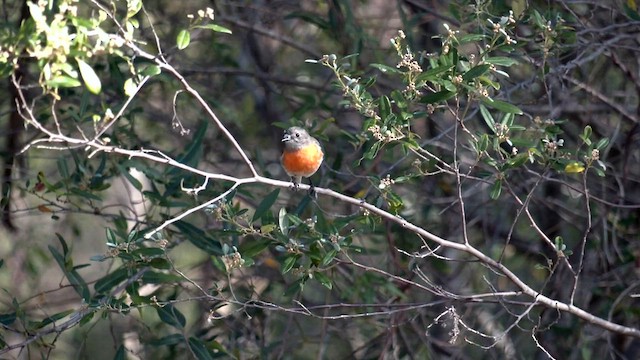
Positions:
{"x": 488, "y": 118}
{"x": 432, "y": 74}
{"x": 63, "y": 81}
{"x": 89, "y": 76}
{"x": 253, "y": 248}
{"x": 199, "y": 349}
{"x": 133, "y": 7}
{"x": 437, "y": 97}
{"x": 323, "y": 279}
{"x": 502, "y": 106}
{"x": 130, "y": 87}
{"x": 385, "y": 107}
{"x": 214, "y": 27}
{"x": 151, "y": 70}
{"x": 496, "y": 189}
{"x": 183, "y": 39}
{"x": 197, "y": 237}
{"x": 328, "y": 257}
{"x": 283, "y": 221}
{"x": 483, "y": 144}
{"x": 518, "y": 160}
{"x": 500, "y": 61}
{"x": 586, "y": 135}
{"x": 170, "y": 315}
{"x": 53, "y": 318}
{"x": 8, "y": 318}
{"x": 471, "y": 38}
{"x": 110, "y": 281}
{"x": 266, "y": 204}
{"x": 123, "y": 171}
{"x": 476, "y": 71}
{"x": 288, "y": 263}
{"x": 66, "y": 265}
{"x": 152, "y": 277}
{"x": 602, "y": 143}
{"x": 574, "y": 167}
{"x": 386, "y": 69}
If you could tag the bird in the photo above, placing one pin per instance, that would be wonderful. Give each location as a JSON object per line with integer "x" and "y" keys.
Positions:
{"x": 302, "y": 155}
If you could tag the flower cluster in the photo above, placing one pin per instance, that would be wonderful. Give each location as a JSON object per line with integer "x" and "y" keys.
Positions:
{"x": 388, "y": 135}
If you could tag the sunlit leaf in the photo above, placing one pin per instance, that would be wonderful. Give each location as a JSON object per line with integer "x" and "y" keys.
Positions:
{"x": 89, "y": 76}
{"x": 183, "y": 39}
{"x": 574, "y": 167}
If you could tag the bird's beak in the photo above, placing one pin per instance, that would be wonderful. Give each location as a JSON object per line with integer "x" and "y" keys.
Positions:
{"x": 286, "y": 137}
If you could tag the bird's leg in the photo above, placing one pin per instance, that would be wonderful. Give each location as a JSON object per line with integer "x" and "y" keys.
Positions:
{"x": 295, "y": 183}
{"x": 312, "y": 189}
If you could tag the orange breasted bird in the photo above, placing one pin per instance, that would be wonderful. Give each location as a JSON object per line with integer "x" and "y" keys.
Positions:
{"x": 302, "y": 155}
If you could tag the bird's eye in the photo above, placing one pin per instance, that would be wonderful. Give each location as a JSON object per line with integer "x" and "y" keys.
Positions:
{"x": 297, "y": 134}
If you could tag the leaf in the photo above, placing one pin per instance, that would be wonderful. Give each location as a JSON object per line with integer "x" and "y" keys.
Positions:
{"x": 53, "y": 318}
{"x": 183, "y": 39}
{"x": 437, "y": 97}
{"x": 288, "y": 263}
{"x": 386, "y": 69}
{"x": 574, "y": 167}
{"x": 253, "y": 248}
{"x": 130, "y": 87}
{"x": 502, "y": 106}
{"x": 476, "y": 71}
{"x": 471, "y": 38}
{"x": 123, "y": 171}
{"x": 586, "y": 135}
{"x": 500, "y": 61}
{"x": 602, "y": 143}
{"x": 133, "y": 7}
{"x": 328, "y": 257}
{"x": 496, "y": 189}
{"x": 323, "y": 279}
{"x": 89, "y": 76}
{"x": 518, "y": 160}
{"x": 170, "y": 315}
{"x": 265, "y": 204}
{"x": 432, "y": 74}
{"x": 151, "y": 70}
{"x": 198, "y": 238}
{"x": 198, "y": 348}
{"x": 8, "y": 318}
{"x": 63, "y": 81}
{"x": 385, "y": 107}
{"x": 152, "y": 277}
{"x": 488, "y": 118}
{"x": 110, "y": 281}
{"x": 283, "y": 221}
{"x": 214, "y": 27}
{"x": 78, "y": 283}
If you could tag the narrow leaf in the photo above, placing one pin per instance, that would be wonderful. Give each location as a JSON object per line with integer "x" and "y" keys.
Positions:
{"x": 476, "y": 71}
{"x": 266, "y": 204}
{"x": 170, "y": 315}
{"x": 437, "y": 97}
{"x": 199, "y": 349}
{"x": 502, "y": 106}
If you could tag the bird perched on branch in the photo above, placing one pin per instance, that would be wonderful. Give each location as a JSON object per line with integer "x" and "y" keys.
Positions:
{"x": 302, "y": 155}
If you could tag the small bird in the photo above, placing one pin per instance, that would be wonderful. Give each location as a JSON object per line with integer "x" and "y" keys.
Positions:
{"x": 302, "y": 155}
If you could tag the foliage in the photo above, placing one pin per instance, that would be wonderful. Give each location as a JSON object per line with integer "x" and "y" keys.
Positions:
{"x": 464, "y": 204}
